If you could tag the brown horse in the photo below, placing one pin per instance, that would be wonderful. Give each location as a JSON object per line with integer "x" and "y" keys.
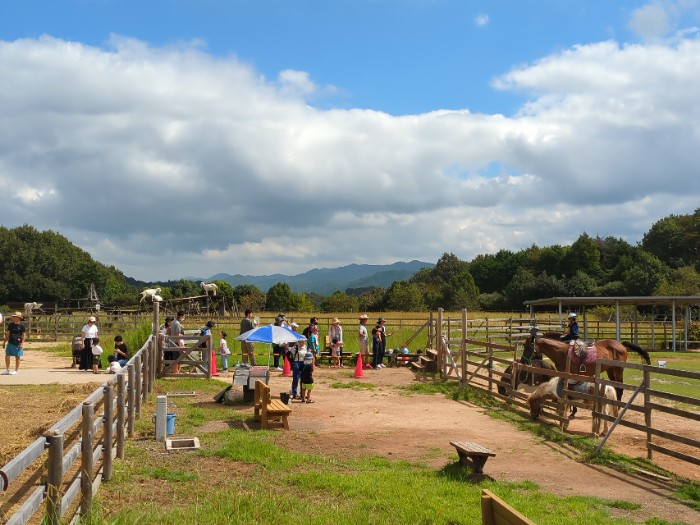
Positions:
{"x": 610, "y": 349}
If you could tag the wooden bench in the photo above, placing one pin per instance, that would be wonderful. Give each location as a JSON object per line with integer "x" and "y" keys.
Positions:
{"x": 495, "y": 511}
{"x": 271, "y": 413}
{"x": 472, "y": 454}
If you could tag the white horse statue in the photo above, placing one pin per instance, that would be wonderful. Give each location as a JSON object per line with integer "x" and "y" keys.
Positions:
{"x": 150, "y": 293}
{"x": 28, "y": 307}
{"x": 210, "y": 287}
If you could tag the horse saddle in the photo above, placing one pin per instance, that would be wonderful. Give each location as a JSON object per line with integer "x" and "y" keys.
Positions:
{"x": 582, "y": 354}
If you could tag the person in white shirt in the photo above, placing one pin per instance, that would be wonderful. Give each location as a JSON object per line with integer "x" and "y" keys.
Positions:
{"x": 363, "y": 336}
{"x": 88, "y": 333}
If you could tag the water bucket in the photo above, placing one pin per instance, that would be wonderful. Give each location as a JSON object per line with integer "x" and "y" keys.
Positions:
{"x": 170, "y": 424}
{"x": 662, "y": 364}
{"x": 284, "y": 397}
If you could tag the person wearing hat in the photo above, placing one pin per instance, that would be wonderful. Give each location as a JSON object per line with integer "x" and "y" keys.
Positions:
{"x": 307, "y": 378}
{"x": 88, "y": 333}
{"x": 335, "y": 336}
{"x": 13, "y": 342}
{"x": 572, "y": 332}
{"x": 363, "y": 336}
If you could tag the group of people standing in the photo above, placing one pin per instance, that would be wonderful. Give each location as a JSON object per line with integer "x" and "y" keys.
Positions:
{"x": 91, "y": 355}
{"x": 379, "y": 335}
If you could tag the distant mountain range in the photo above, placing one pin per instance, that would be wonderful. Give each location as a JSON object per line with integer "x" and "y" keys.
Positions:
{"x": 325, "y": 281}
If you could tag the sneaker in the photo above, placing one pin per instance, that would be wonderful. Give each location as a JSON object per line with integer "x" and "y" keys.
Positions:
{"x": 279, "y": 369}
{"x": 6, "y": 373}
{"x": 13, "y": 372}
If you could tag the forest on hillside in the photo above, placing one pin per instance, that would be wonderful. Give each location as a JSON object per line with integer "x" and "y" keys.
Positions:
{"x": 45, "y": 266}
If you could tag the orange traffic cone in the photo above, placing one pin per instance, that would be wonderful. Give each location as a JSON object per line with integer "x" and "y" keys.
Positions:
{"x": 214, "y": 371}
{"x": 359, "y": 373}
{"x": 287, "y": 369}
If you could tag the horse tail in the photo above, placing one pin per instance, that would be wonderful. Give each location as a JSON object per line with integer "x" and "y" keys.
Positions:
{"x": 639, "y": 350}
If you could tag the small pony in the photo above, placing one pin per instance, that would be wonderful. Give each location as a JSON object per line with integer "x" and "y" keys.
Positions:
{"x": 552, "y": 390}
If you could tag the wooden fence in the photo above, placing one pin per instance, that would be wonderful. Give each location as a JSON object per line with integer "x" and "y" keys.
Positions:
{"x": 478, "y": 364}
{"x": 62, "y": 470}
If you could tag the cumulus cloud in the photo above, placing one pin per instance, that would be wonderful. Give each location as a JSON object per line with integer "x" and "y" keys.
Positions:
{"x": 168, "y": 162}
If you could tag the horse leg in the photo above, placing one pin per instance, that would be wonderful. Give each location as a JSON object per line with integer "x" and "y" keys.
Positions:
{"x": 615, "y": 374}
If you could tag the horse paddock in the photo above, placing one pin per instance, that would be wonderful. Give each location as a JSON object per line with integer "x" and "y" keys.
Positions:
{"x": 386, "y": 420}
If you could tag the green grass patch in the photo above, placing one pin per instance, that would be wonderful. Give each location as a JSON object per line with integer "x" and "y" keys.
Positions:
{"x": 354, "y": 385}
{"x": 239, "y": 476}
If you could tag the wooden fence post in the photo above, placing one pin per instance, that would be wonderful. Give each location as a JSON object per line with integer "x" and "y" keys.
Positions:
{"x": 54, "y": 478}
{"x": 131, "y": 400}
{"x": 647, "y": 409}
{"x": 138, "y": 386}
{"x": 121, "y": 414}
{"x": 463, "y": 373}
{"x": 86, "y": 463}
{"x": 146, "y": 372}
{"x": 108, "y": 434}
{"x": 439, "y": 345}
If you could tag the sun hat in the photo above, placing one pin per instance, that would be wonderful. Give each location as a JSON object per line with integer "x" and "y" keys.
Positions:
{"x": 364, "y": 316}
{"x": 294, "y": 325}
{"x": 335, "y": 320}
{"x": 92, "y": 319}
{"x": 17, "y": 314}
{"x": 381, "y": 320}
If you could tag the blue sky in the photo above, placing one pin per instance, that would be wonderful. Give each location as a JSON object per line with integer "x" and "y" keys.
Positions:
{"x": 322, "y": 133}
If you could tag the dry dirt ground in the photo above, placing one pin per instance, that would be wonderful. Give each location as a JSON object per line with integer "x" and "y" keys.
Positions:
{"x": 385, "y": 421}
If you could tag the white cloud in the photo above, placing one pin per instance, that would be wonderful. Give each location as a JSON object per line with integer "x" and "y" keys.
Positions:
{"x": 481, "y": 20}
{"x": 661, "y": 18}
{"x": 168, "y": 162}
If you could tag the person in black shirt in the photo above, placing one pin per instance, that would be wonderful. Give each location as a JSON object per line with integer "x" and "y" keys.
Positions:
{"x": 13, "y": 342}
{"x": 121, "y": 351}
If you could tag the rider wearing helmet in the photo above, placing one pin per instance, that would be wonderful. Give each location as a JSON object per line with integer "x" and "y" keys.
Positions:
{"x": 572, "y": 334}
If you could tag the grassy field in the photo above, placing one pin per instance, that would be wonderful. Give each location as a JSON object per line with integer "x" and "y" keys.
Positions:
{"x": 240, "y": 476}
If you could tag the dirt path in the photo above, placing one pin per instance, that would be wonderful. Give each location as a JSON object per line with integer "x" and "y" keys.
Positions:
{"x": 384, "y": 421}
{"x": 38, "y": 368}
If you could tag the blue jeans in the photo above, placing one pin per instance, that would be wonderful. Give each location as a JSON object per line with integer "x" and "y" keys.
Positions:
{"x": 376, "y": 354}
{"x": 296, "y": 376}
{"x": 224, "y": 362}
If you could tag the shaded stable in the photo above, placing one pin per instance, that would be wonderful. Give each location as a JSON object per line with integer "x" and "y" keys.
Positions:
{"x": 669, "y": 301}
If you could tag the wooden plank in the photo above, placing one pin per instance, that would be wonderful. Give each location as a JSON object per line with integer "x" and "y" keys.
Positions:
{"x": 495, "y": 511}
{"x": 675, "y": 411}
{"x": 19, "y": 463}
{"x": 675, "y": 454}
{"x": 28, "y": 508}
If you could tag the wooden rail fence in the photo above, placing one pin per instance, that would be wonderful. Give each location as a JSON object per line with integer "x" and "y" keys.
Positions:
{"x": 63, "y": 469}
{"x": 475, "y": 366}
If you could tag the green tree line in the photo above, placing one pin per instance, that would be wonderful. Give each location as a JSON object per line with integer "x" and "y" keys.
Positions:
{"x": 46, "y": 266}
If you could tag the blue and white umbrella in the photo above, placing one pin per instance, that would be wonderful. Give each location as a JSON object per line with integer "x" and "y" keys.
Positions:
{"x": 271, "y": 334}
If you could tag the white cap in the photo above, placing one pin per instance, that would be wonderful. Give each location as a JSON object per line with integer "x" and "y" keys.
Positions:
{"x": 572, "y": 315}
